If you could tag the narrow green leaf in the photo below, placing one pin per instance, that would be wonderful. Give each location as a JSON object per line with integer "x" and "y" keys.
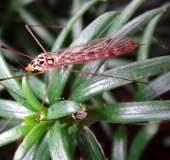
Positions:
{"x": 89, "y": 146}
{"x": 95, "y": 28}
{"x": 6, "y": 124}
{"x": 160, "y": 85}
{"x": 147, "y": 37}
{"x": 30, "y": 154}
{"x": 62, "y": 109}
{"x": 134, "y": 71}
{"x": 12, "y": 84}
{"x": 10, "y": 108}
{"x": 108, "y": 97}
{"x": 88, "y": 67}
{"x": 29, "y": 94}
{"x": 61, "y": 38}
{"x": 43, "y": 152}
{"x": 39, "y": 91}
{"x": 119, "y": 145}
{"x": 141, "y": 140}
{"x": 58, "y": 143}
{"x": 32, "y": 137}
{"x": 124, "y": 16}
{"x": 43, "y": 33}
{"x": 140, "y": 21}
{"x": 136, "y": 112}
{"x": 14, "y": 134}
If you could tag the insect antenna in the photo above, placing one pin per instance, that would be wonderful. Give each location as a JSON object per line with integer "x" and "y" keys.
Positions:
{"x": 161, "y": 45}
{"x": 21, "y": 66}
{"x": 11, "y": 90}
{"x": 15, "y": 69}
{"x": 17, "y": 52}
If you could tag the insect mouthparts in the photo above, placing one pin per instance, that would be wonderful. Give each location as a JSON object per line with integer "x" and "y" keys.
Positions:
{"x": 29, "y": 68}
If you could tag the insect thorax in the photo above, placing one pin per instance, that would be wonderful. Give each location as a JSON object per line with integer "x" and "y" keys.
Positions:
{"x": 42, "y": 62}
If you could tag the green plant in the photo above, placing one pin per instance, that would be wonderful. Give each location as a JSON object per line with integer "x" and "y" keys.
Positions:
{"x": 55, "y": 138}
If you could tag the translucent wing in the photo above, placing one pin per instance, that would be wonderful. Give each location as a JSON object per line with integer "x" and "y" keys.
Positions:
{"x": 93, "y": 50}
{"x": 78, "y": 48}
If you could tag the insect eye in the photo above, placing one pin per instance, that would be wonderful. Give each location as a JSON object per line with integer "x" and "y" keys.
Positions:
{"x": 50, "y": 60}
{"x": 35, "y": 66}
{"x": 32, "y": 63}
{"x": 41, "y": 62}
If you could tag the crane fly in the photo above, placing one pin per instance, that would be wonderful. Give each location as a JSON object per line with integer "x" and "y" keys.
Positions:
{"x": 83, "y": 53}
{"x": 86, "y": 52}
{"x": 97, "y": 49}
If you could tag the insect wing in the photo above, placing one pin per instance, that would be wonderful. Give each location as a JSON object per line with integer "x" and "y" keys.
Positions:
{"x": 94, "y": 50}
